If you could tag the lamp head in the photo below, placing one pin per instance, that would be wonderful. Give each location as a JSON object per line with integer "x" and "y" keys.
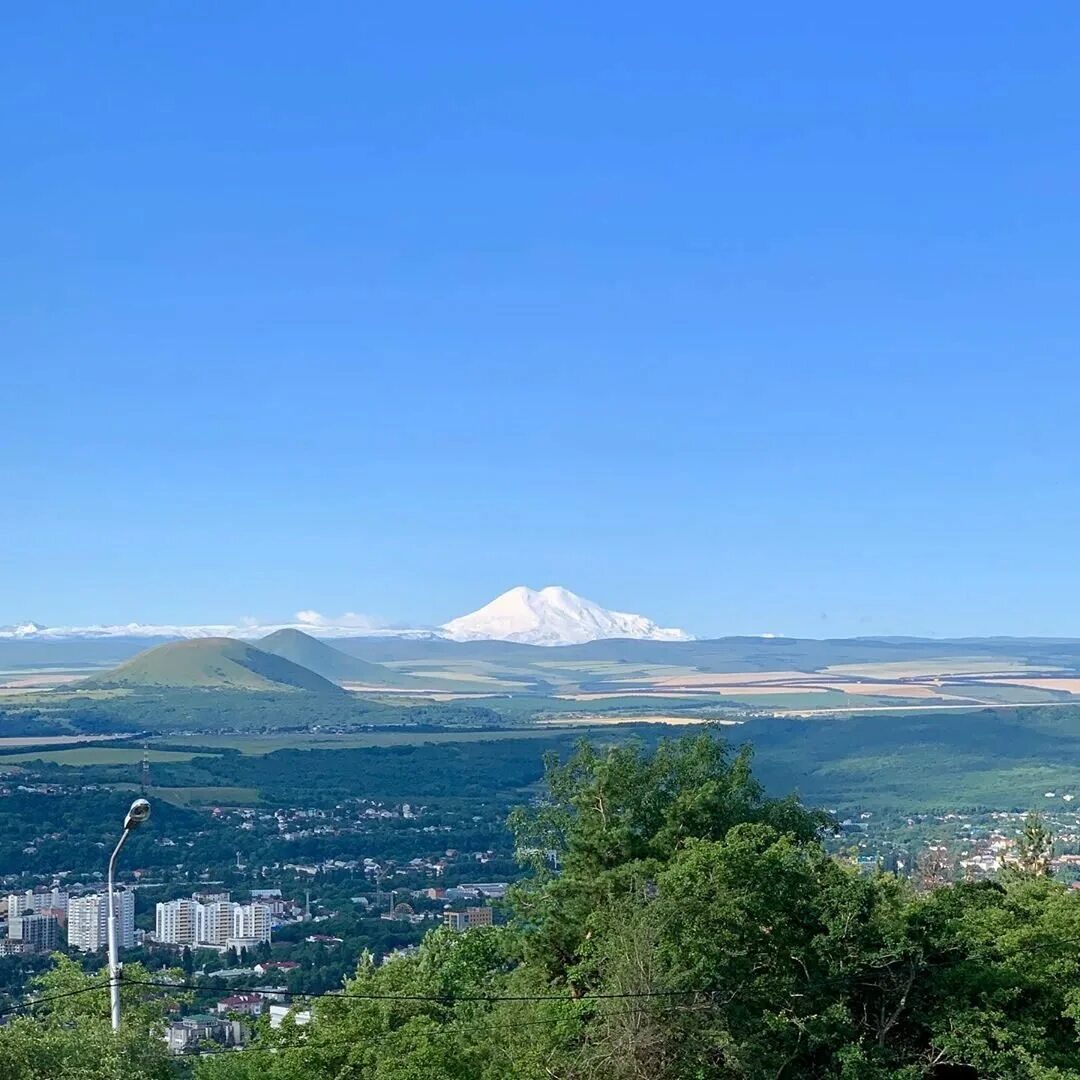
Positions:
{"x": 139, "y": 812}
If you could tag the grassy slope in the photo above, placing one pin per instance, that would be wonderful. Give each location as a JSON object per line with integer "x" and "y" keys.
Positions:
{"x": 335, "y": 665}
{"x": 220, "y": 663}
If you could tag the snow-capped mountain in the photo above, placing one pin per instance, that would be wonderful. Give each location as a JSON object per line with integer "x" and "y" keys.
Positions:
{"x": 552, "y": 616}
{"x": 308, "y": 621}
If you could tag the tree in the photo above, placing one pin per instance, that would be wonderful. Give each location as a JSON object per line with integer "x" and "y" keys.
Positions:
{"x": 698, "y": 929}
{"x": 70, "y": 1035}
{"x": 1034, "y": 846}
{"x": 614, "y": 818}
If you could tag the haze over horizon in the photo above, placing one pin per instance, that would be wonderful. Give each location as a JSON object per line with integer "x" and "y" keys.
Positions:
{"x": 585, "y": 620}
{"x": 752, "y": 321}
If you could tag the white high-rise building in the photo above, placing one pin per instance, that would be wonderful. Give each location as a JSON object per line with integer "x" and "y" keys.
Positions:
{"x": 177, "y": 922}
{"x": 251, "y": 921}
{"x": 215, "y": 922}
{"x": 189, "y": 922}
{"x": 88, "y": 918}
{"x": 36, "y": 901}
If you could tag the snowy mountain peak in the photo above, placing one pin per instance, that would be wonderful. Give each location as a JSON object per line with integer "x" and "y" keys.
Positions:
{"x": 552, "y": 616}
{"x": 26, "y": 629}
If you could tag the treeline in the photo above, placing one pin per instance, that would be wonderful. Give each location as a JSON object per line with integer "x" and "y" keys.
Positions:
{"x": 218, "y": 710}
{"x": 322, "y": 777}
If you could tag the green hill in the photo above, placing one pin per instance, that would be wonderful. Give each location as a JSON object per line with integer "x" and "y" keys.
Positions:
{"x": 333, "y": 664}
{"x": 205, "y": 663}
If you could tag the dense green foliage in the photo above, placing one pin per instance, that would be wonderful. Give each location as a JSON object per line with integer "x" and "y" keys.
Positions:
{"x": 68, "y": 1036}
{"x": 996, "y": 758}
{"x": 679, "y": 924}
{"x": 698, "y": 929}
{"x": 217, "y": 710}
{"x": 1002, "y": 758}
{"x": 472, "y": 769}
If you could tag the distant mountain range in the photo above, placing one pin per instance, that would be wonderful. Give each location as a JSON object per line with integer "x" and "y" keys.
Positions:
{"x": 549, "y": 616}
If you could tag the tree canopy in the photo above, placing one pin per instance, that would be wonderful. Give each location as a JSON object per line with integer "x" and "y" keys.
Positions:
{"x": 680, "y": 925}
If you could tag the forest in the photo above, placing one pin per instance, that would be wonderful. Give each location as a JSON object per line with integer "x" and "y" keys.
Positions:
{"x": 677, "y": 922}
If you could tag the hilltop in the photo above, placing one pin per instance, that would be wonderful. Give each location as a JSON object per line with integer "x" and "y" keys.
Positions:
{"x": 331, "y": 663}
{"x": 213, "y": 663}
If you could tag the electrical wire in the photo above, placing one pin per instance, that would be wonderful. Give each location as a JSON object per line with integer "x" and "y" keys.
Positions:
{"x": 322, "y": 1045}
{"x": 52, "y": 997}
{"x": 449, "y": 999}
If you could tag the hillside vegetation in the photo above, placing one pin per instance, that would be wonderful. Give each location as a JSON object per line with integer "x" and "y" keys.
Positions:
{"x": 679, "y": 925}
{"x": 333, "y": 664}
{"x": 212, "y": 663}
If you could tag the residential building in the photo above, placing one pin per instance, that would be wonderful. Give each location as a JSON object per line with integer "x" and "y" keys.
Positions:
{"x": 40, "y": 932}
{"x": 278, "y": 1013}
{"x": 248, "y": 1003}
{"x": 184, "y": 1034}
{"x": 215, "y": 922}
{"x": 59, "y": 914}
{"x": 177, "y": 922}
{"x": 88, "y": 918}
{"x": 251, "y": 921}
{"x": 219, "y": 923}
{"x": 455, "y": 920}
{"x": 478, "y": 916}
{"x": 36, "y": 901}
{"x": 14, "y": 948}
{"x": 472, "y": 916}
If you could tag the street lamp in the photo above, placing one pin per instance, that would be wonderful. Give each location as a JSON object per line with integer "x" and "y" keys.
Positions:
{"x": 139, "y": 812}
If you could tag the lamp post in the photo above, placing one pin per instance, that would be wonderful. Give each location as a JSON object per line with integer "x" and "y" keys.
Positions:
{"x": 139, "y": 812}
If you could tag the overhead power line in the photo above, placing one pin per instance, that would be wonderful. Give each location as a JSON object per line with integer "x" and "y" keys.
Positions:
{"x": 454, "y": 999}
{"x": 34, "y": 1002}
{"x": 321, "y": 1044}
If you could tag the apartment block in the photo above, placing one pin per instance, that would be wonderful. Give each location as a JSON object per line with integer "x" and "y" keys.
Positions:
{"x": 217, "y": 922}
{"x": 40, "y": 932}
{"x": 88, "y": 918}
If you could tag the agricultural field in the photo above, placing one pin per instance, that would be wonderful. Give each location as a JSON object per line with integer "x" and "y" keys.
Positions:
{"x": 94, "y": 755}
{"x": 797, "y": 682}
{"x": 205, "y": 796}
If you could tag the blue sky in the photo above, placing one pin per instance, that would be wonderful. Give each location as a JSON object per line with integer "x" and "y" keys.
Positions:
{"x": 753, "y": 321}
